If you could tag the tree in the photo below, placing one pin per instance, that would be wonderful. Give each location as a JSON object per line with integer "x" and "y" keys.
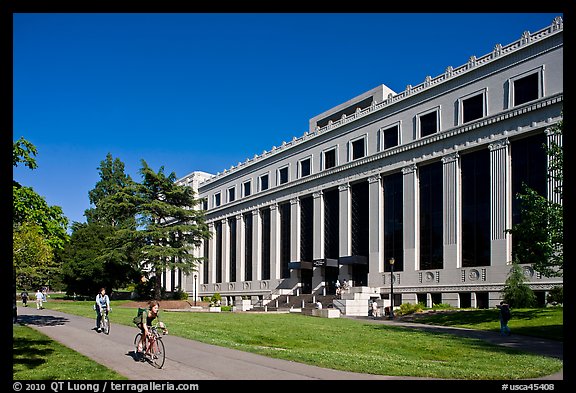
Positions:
{"x": 85, "y": 269}
{"x": 33, "y": 257}
{"x": 23, "y": 152}
{"x": 539, "y": 236}
{"x": 101, "y": 252}
{"x": 34, "y": 221}
{"x": 516, "y": 293}
{"x": 113, "y": 196}
{"x": 170, "y": 226}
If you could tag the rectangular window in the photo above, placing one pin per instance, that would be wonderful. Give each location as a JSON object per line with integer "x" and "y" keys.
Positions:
{"x": 283, "y": 175}
{"x": 217, "y": 200}
{"x": 390, "y": 137}
{"x": 231, "y": 194}
{"x": 526, "y": 89}
{"x": 473, "y": 108}
{"x": 329, "y": 159}
{"x": 263, "y": 182}
{"x": 428, "y": 124}
{"x": 204, "y": 204}
{"x": 247, "y": 188}
{"x": 305, "y": 167}
{"x": 358, "y": 149}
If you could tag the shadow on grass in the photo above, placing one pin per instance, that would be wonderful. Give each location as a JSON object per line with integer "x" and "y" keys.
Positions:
{"x": 31, "y": 353}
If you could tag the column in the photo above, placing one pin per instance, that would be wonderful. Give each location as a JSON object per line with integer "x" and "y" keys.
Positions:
{"x": 295, "y": 230}
{"x": 451, "y": 211}
{"x": 345, "y": 220}
{"x": 240, "y": 228}
{"x": 225, "y": 250}
{"x": 274, "y": 242}
{"x": 554, "y": 183}
{"x": 500, "y": 203}
{"x": 256, "y": 243}
{"x": 212, "y": 254}
{"x": 376, "y": 230}
{"x": 411, "y": 229}
{"x": 318, "y": 251}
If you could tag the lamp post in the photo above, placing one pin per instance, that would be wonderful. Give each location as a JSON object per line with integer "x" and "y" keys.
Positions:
{"x": 391, "y": 288}
{"x": 195, "y": 289}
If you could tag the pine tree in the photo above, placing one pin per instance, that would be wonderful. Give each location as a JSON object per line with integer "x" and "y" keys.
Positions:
{"x": 170, "y": 226}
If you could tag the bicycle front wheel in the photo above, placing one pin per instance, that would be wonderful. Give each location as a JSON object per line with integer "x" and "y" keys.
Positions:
{"x": 106, "y": 324}
{"x": 158, "y": 353}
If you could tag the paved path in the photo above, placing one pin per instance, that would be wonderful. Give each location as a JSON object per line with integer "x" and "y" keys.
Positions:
{"x": 192, "y": 360}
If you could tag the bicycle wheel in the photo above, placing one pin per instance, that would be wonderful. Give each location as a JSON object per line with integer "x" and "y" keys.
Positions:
{"x": 157, "y": 353}
{"x": 106, "y": 324}
{"x": 136, "y": 342}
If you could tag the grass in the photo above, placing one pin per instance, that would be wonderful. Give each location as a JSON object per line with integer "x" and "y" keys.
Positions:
{"x": 37, "y": 357}
{"x": 536, "y": 322}
{"x": 357, "y": 346}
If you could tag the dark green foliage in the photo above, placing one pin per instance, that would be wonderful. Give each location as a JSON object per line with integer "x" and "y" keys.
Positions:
{"x": 516, "y": 293}
{"x": 556, "y": 295}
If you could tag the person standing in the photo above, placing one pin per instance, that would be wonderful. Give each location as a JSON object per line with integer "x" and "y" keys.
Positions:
{"x": 24, "y": 297}
{"x": 102, "y": 306}
{"x": 374, "y": 309}
{"x": 39, "y": 299}
{"x": 504, "y": 315}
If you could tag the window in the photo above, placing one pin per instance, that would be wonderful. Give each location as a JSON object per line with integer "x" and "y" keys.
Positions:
{"x": 472, "y": 108}
{"x": 247, "y": 188}
{"x": 283, "y": 175}
{"x": 428, "y": 123}
{"x": 305, "y": 167}
{"x": 390, "y": 136}
{"x": 217, "y": 200}
{"x": 204, "y": 204}
{"x": 329, "y": 158}
{"x": 526, "y": 88}
{"x": 264, "y": 182}
{"x": 231, "y": 194}
{"x": 358, "y": 148}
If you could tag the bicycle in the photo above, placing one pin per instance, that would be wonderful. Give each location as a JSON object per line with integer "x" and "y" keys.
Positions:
{"x": 105, "y": 322}
{"x": 155, "y": 352}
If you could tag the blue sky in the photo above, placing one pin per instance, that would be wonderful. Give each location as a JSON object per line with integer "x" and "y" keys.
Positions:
{"x": 198, "y": 91}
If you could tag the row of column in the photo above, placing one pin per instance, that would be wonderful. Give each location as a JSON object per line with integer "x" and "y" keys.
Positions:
{"x": 500, "y": 208}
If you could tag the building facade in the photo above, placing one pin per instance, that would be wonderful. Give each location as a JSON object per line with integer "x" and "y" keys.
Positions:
{"x": 425, "y": 177}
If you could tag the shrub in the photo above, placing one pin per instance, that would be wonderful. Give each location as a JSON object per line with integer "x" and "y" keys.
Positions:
{"x": 441, "y": 306}
{"x": 409, "y": 308}
{"x": 180, "y": 295}
{"x": 556, "y": 295}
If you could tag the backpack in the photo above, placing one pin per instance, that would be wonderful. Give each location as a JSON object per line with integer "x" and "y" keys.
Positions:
{"x": 138, "y": 318}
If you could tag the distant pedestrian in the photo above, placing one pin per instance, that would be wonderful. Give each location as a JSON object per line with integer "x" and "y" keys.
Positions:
{"x": 39, "y": 300}
{"x": 319, "y": 305}
{"x": 375, "y": 313}
{"x": 338, "y": 289}
{"x": 504, "y": 315}
{"x": 24, "y": 297}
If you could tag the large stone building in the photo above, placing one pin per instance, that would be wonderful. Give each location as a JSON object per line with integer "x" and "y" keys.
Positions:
{"x": 425, "y": 177}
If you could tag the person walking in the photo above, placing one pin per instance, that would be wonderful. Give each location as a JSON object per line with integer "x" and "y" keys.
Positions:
{"x": 504, "y": 315}
{"x": 24, "y": 297}
{"x": 102, "y": 306}
{"x": 39, "y": 299}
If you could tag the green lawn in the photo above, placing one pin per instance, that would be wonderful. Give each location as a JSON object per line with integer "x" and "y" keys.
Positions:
{"x": 37, "y": 357}
{"x": 357, "y": 346}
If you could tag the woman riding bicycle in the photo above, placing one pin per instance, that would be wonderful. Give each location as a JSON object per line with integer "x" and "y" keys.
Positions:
{"x": 102, "y": 306}
{"x": 144, "y": 321}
